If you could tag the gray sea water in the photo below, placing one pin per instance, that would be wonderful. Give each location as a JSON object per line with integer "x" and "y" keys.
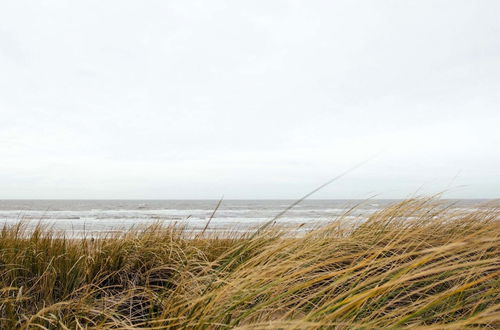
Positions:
{"x": 90, "y": 217}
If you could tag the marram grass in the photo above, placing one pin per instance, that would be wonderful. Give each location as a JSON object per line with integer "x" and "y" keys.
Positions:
{"x": 415, "y": 264}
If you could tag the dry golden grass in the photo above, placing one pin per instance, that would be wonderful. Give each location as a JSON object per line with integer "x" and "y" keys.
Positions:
{"x": 414, "y": 264}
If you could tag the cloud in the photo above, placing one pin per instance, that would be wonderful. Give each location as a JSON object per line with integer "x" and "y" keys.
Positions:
{"x": 123, "y": 99}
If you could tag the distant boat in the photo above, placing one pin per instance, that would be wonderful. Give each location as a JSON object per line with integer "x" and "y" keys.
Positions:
{"x": 142, "y": 206}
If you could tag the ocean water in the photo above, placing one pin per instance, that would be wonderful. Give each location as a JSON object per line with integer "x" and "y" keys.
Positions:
{"x": 93, "y": 217}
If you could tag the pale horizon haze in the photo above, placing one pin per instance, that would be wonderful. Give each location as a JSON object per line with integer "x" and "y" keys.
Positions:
{"x": 249, "y": 99}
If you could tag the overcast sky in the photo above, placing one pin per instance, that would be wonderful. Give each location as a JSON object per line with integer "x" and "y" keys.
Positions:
{"x": 249, "y": 99}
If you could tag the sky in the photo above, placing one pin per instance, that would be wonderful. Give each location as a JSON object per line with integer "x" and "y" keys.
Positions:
{"x": 189, "y": 99}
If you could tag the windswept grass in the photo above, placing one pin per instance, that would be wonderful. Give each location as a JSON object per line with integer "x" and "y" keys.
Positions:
{"x": 414, "y": 264}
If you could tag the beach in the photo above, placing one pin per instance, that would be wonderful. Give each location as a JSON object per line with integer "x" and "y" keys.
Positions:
{"x": 420, "y": 263}
{"x": 78, "y": 218}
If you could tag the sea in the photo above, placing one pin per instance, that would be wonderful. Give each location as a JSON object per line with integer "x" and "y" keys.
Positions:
{"x": 78, "y": 218}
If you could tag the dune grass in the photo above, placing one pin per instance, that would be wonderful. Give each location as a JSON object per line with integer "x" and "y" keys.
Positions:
{"x": 414, "y": 264}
